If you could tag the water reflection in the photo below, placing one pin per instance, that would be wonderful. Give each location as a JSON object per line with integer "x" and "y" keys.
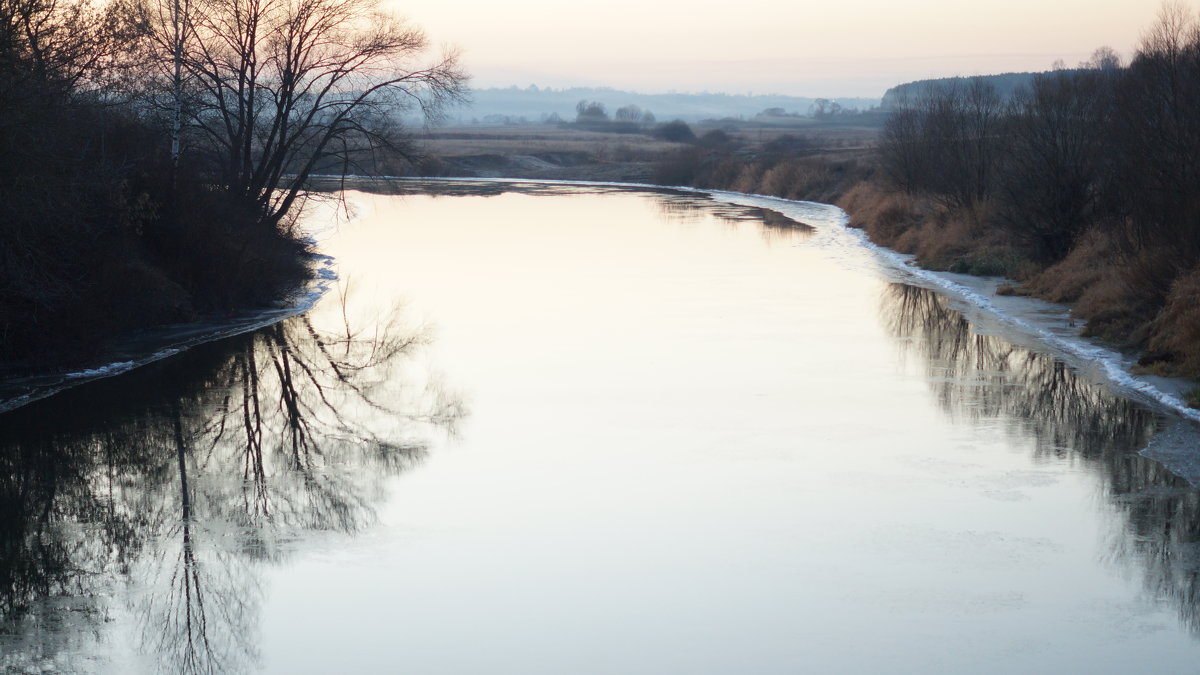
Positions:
{"x": 160, "y": 494}
{"x": 460, "y": 187}
{"x": 985, "y": 378}
{"x": 679, "y": 206}
{"x": 691, "y": 208}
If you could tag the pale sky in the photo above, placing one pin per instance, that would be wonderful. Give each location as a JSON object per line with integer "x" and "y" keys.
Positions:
{"x": 826, "y": 48}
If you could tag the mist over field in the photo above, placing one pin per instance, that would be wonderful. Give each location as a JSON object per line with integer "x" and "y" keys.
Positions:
{"x": 536, "y": 103}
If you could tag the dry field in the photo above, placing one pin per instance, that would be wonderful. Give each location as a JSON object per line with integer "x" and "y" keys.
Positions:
{"x": 547, "y": 151}
{"x": 823, "y": 137}
{"x": 541, "y": 139}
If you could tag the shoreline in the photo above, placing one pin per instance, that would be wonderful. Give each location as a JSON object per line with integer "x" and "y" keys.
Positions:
{"x": 1045, "y": 324}
{"x": 1042, "y": 321}
{"x": 156, "y": 343}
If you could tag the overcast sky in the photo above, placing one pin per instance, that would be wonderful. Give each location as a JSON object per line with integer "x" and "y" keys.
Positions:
{"x": 798, "y": 47}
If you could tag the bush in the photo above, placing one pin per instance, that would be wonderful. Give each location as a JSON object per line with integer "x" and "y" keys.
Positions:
{"x": 676, "y": 131}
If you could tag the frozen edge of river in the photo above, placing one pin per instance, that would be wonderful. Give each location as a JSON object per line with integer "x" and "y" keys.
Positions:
{"x": 167, "y": 341}
{"x": 1038, "y": 324}
{"x": 1032, "y": 323}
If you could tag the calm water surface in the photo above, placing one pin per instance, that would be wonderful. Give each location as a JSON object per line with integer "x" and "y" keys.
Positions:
{"x": 580, "y": 430}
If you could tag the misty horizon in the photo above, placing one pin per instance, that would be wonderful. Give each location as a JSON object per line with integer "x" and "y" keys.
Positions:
{"x": 825, "y": 51}
{"x": 866, "y": 87}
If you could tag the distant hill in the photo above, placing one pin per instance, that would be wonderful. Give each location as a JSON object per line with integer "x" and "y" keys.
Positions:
{"x": 535, "y": 104}
{"x": 1006, "y": 85}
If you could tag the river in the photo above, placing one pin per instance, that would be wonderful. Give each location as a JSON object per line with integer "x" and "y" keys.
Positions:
{"x": 539, "y": 428}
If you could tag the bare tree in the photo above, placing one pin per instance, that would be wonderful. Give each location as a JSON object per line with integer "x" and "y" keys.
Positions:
{"x": 1053, "y": 160}
{"x": 1156, "y": 138}
{"x": 61, "y": 49}
{"x": 629, "y": 113}
{"x": 903, "y": 155}
{"x": 273, "y": 90}
{"x": 590, "y": 111}
{"x": 943, "y": 143}
{"x": 1103, "y": 58}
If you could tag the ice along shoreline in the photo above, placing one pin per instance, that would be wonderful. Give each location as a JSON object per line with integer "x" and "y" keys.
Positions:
{"x": 156, "y": 344}
{"x": 1037, "y": 324}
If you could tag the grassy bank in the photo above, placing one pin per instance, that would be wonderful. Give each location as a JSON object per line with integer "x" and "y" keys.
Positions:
{"x": 1129, "y": 300}
{"x": 1081, "y": 187}
{"x": 1063, "y": 225}
{"x": 1111, "y": 292}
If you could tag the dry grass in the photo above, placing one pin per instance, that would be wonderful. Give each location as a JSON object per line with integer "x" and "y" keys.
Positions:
{"x": 886, "y": 216}
{"x": 1111, "y": 293}
{"x": 1176, "y": 329}
{"x": 959, "y": 241}
{"x": 467, "y": 141}
{"x": 1086, "y": 267}
{"x": 450, "y": 142}
{"x": 825, "y": 138}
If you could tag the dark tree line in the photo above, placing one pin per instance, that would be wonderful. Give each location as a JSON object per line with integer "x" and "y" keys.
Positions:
{"x": 153, "y": 153}
{"x": 1032, "y": 162}
{"x": 1102, "y": 146}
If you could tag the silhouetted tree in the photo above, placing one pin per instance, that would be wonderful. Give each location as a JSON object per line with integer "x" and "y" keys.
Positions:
{"x": 629, "y": 113}
{"x": 1155, "y": 137}
{"x": 676, "y": 131}
{"x": 944, "y": 144}
{"x": 275, "y": 89}
{"x": 1052, "y": 166}
{"x": 590, "y": 112}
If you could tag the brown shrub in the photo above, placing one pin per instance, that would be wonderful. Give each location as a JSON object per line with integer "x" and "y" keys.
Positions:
{"x": 886, "y": 216}
{"x": 1087, "y": 264}
{"x": 725, "y": 174}
{"x": 748, "y": 178}
{"x": 779, "y": 180}
{"x": 1176, "y": 329}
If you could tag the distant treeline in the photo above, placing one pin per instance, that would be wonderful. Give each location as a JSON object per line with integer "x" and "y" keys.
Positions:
{"x": 1006, "y": 85}
{"x": 1085, "y": 184}
{"x": 535, "y": 104}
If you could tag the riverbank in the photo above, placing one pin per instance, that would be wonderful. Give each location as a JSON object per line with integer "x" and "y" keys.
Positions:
{"x": 873, "y": 212}
{"x": 988, "y": 300}
{"x": 28, "y": 383}
{"x": 104, "y": 234}
{"x": 1116, "y": 297}
{"x": 74, "y": 291}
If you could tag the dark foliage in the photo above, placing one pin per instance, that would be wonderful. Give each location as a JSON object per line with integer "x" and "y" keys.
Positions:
{"x": 1094, "y": 166}
{"x": 98, "y": 234}
{"x": 154, "y": 154}
{"x": 676, "y": 131}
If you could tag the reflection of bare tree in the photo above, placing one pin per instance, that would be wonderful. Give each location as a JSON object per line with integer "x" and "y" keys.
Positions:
{"x": 180, "y": 481}
{"x": 984, "y": 377}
